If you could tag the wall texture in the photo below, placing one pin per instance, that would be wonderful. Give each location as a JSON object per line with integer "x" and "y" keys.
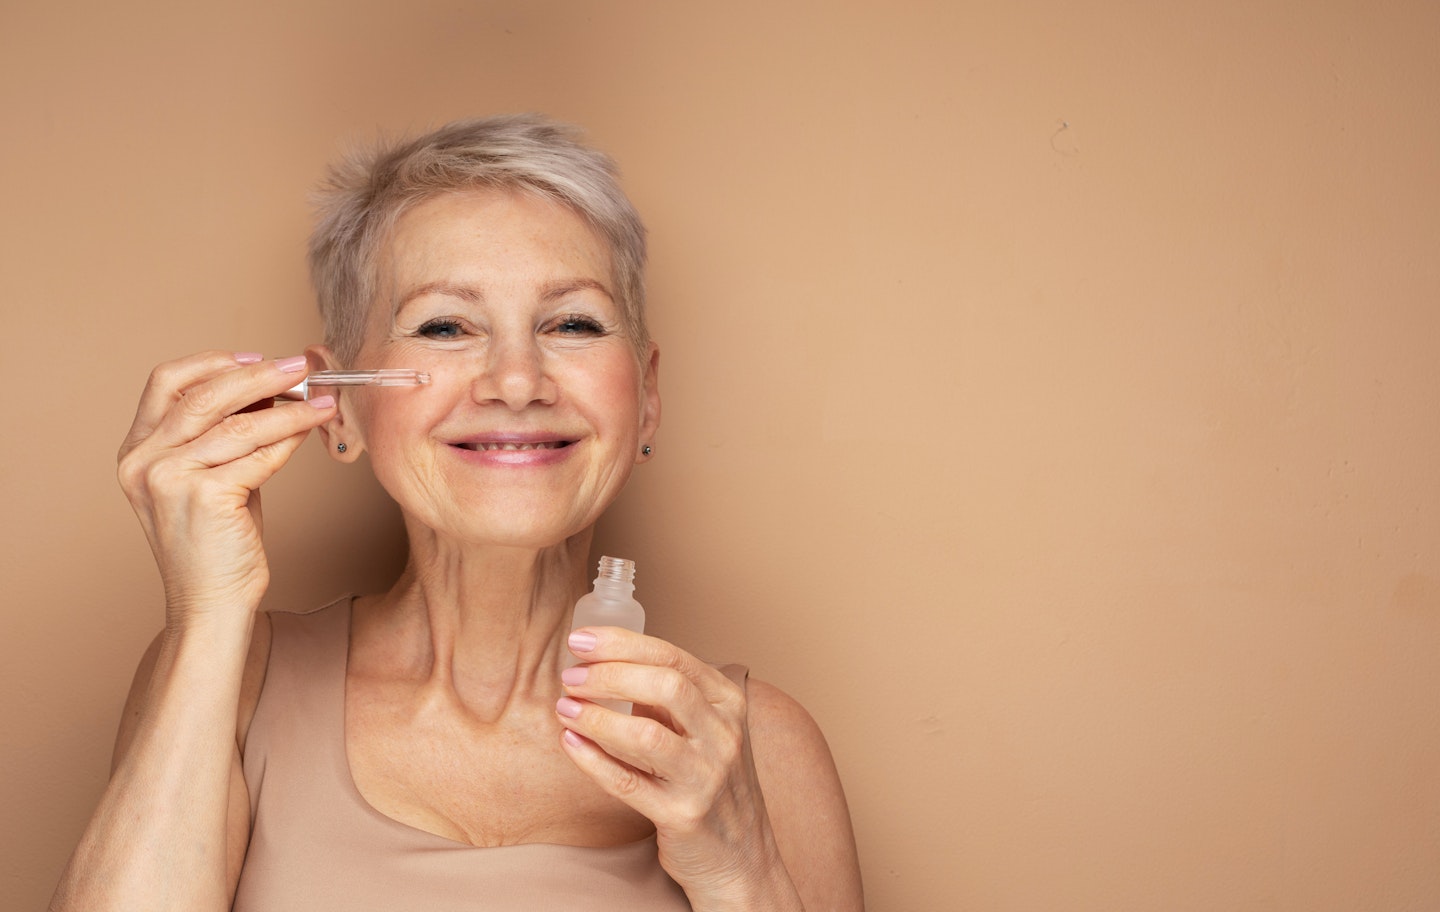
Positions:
{"x": 1050, "y": 397}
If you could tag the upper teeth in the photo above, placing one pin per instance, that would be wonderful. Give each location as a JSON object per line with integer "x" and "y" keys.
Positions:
{"x": 509, "y": 446}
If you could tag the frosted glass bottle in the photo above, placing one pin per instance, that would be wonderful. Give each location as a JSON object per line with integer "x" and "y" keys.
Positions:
{"x": 611, "y": 604}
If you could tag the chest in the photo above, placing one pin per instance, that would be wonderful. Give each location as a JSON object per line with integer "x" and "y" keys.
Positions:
{"x": 433, "y": 766}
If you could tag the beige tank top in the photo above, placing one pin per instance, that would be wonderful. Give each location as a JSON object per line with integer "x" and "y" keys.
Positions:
{"x": 316, "y": 844}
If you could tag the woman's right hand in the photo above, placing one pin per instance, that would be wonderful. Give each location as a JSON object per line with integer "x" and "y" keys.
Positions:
{"x": 192, "y": 466}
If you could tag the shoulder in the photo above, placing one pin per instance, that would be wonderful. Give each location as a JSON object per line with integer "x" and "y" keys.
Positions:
{"x": 778, "y": 724}
{"x": 803, "y": 798}
{"x": 789, "y": 748}
{"x": 778, "y": 718}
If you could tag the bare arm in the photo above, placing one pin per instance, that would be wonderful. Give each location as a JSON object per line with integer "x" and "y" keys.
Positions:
{"x": 805, "y": 800}
{"x": 172, "y": 825}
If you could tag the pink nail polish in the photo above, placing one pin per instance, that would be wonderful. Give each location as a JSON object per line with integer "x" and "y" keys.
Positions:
{"x": 567, "y": 707}
{"x": 248, "y": 357}
{"x": 580, "y": 641}
{"x": 321, "y": 402}
{"x": 572, "y": 739}
{"x": 292, "y": 364}
{"x": 575, "y": 675}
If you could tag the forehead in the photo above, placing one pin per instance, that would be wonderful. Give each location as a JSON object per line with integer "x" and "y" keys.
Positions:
{"x": 492, "y": 235}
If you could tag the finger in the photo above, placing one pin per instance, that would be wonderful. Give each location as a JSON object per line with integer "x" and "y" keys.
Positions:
{"x": 642, "y": 743}
{"x": 640, "y": 791}
{"x": 201, "y": 406}
{"x": 254, "y": 433}
{"x": 615, "y": 644}
{"x": 688, "y": 768}
{"x": 673, "y": 698}
{"x": 240, "y": 454}
{"x": 167, "y": 381}
{"x": 253, "y": 469}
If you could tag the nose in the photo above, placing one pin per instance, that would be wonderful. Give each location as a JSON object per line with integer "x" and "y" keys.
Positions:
{"x": 514, "y": 373}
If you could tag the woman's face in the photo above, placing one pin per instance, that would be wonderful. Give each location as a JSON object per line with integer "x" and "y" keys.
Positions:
{"x": 537, "y": 405}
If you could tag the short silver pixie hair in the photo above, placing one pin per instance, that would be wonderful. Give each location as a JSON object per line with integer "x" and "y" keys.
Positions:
{"x": 364, "y": 194}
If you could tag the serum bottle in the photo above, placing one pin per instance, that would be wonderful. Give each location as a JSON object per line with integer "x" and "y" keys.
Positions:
{"x": 611, "y": 604}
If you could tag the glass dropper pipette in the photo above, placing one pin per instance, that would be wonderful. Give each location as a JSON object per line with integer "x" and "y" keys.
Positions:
{"x": 388, "y": 377}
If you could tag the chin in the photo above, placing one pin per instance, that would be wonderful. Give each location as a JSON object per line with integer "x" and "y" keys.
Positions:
{"x": 515, "y": 526}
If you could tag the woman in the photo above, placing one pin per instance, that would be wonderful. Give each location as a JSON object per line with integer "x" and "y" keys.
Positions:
{"x": 429, "y": 748}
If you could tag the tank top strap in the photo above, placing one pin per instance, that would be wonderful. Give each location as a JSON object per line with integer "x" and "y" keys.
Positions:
{"x": 737, "y": 673}
{"x": 299, "y": 722}
{"x": 316, "y": 844}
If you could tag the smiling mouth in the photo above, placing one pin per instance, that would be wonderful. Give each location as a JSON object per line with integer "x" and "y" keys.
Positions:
{"x": 495, "y": 447}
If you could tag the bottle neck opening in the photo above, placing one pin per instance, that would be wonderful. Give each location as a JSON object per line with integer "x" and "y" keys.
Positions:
{"x": 616, "y": 569}
{"x": 616, "y": 576}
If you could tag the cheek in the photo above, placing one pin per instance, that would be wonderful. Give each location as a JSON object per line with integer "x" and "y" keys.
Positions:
{"x": 615, "y": 391}
{"x": 386, "y": 420}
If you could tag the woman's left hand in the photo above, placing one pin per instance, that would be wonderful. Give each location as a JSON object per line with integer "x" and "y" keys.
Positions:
{"x": 682, "y": 759}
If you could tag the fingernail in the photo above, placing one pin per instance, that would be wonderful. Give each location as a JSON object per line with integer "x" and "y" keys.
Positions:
{"x": 567, "y": 707}
{"x": 292, "y": 364}
{"x": 322, "y": 402}
{"x": 248, "y": 357}
{"x": 580, "y": 641}
{"x": 574, "y": 675}
{"x": 572, "y": 739}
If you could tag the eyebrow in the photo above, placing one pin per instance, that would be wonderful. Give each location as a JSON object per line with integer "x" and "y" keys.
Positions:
{"x": 463, "y": 292}
{"x": 548, "y": 292}
{"x": 564, "y": 287}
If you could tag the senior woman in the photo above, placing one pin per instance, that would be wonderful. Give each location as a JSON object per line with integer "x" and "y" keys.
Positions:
{"x": 430, "y": 747}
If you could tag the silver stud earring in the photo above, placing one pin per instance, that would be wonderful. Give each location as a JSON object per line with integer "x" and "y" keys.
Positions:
{"x": 339, "y": 447}
{"x": 645, "y": 450}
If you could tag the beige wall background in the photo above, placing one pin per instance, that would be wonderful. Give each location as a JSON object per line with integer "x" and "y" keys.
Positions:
{"x": 1050, "y": 398}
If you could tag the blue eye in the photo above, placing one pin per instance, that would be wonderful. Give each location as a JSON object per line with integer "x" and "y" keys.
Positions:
{"x": 440, "y": 328}
{"x": 578, "y": 326}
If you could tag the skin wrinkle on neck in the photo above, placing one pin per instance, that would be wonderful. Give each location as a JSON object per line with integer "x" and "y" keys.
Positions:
{"x": 484, "y": 629}
{"x": 477, "y": 623}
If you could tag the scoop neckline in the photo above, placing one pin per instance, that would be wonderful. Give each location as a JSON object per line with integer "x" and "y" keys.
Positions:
{"x": 358, "y": 797}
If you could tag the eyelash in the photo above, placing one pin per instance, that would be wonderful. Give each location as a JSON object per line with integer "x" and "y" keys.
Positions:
{"x": 440, "y": 322}
{"x": 582, "y": 326}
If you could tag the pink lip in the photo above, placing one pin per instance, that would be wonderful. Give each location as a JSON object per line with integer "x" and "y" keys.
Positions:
{"x": 513, "y": 449}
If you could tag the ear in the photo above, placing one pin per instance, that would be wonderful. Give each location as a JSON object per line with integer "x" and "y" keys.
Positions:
{"x": 343, "y": 428}
{"x": 649, "y": 402}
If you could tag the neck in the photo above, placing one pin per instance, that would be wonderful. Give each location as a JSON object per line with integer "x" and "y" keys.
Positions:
{"x": 485, "y": 625}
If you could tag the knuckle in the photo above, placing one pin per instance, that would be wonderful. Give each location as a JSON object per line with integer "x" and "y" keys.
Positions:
{"x": 129, "y": 470}
{"x": 733, "y": 703}
{"x": 166, "y": 376}
{"x": 197, "y": 401}
{"x": 158, "y": 475}
{"x": 664, "y": 654}
{"x": 653, "y": 739}
{"x": 670, "y": 685}
{"x": 162, "y": 376}
{"x": 690, "y": 811}
{"x": 731, "y": 747}
{"x": 241, "y": 424}
{"x": 627, "y": 782}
